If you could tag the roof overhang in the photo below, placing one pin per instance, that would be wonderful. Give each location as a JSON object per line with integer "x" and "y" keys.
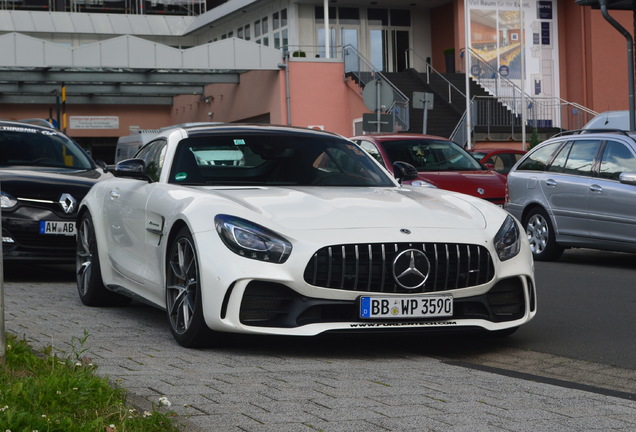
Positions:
{"x": 122, "y": 70}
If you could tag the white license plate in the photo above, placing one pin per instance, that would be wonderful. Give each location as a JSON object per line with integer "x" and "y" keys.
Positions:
{"x": 406, "y": 307}
{"x": 57, "y": 227}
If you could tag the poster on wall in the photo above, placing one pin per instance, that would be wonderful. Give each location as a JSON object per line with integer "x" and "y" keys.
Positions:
{"x": 497, "y": 39}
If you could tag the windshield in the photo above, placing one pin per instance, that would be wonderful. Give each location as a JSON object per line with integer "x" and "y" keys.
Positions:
{"x": 431, "y": 155}
{"x": 244, "y": 158}
{"x": 32, "y": 147}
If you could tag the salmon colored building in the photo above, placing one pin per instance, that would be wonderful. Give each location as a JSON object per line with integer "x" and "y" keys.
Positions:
{"x": 114, "y": 68}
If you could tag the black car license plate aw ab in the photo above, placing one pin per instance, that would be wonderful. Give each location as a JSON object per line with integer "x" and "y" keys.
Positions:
{"x": 57, "y": 227}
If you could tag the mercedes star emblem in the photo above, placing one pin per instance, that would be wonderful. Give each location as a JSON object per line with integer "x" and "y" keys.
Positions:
{"x": 411, "y": 268}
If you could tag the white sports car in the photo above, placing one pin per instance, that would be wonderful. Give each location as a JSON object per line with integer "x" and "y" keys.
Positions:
{"x": 290, "y": 231}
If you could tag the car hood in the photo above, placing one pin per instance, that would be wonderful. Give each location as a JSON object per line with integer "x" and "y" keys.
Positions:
{"x": 47, "y": 184}
{"x": 468, "y": 182}
{"x": 350, "y": 208}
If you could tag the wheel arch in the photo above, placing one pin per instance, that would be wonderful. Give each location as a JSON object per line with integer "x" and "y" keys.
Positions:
{"x": 174, "y": 229}
{"x": 533, "y": 206}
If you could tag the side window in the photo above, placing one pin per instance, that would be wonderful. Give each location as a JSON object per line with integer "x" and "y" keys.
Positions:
{"x": 558, "y": 164}
{"x": 371, "y": 148}
{"x": 617, "y": 158}
{"x": 153, "y": 154}
{"x": 538, "y": 159}
{"x": 581, "y": 157}
{"x": 498, "y": 162}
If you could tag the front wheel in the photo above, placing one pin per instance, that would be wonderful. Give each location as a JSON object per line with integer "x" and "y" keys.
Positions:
{"x": 541, "y": 236}
{"x": 90, "y": 286}
{"x": 183, "y": 293}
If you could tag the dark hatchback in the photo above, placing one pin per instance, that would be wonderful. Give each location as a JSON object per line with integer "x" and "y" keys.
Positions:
{"x": 43, "y": 177}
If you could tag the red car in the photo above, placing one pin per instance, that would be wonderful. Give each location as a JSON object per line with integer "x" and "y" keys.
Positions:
{"x": 438, "y": 161}
{"x": 502, "y": 159}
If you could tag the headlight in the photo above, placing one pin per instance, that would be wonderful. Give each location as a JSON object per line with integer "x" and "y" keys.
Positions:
{"x": 507, "y": 242}
{"x": 7, "y": 201}
{"x": 250, "y": 240}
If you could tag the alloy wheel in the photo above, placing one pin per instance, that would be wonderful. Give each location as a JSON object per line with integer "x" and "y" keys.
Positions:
{"x": 182, "y": 285}
{"x": 84, "y": 256}
{"x": 538, "y": 233}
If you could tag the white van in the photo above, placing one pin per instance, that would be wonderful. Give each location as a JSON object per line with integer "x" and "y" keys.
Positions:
{"x": 127, "y": 146}
{"x": 609, "y": 120}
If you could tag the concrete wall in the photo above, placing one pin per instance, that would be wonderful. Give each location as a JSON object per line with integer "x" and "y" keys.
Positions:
{"x": 318, "y": 96}
{"x": 593, "y": 57}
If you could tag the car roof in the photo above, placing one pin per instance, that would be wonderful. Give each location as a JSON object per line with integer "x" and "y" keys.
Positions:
{"x": 384, "y": 137}
{"x": 596, "y": 132}
{"x": 32, "y": 123}
{"x": 194, "y": 128}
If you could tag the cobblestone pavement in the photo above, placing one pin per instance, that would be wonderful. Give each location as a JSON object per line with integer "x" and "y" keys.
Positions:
{"x": 330, "y": 384}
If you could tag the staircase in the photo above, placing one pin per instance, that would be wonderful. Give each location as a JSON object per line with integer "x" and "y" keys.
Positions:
{"x": 495, "y": 115}
{"x": 450, "y": 103}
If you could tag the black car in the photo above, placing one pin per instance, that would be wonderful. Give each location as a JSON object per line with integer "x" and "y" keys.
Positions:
{"x": 43, "y": 177}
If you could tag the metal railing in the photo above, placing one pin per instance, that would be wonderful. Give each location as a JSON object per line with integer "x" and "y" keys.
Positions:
{"x": 364, "y": 72}
{"x": 432, "y": 74}
{"x": 551, "y": 112}
{"x": 169, "y": 7}
{"x": 459, "y": 134}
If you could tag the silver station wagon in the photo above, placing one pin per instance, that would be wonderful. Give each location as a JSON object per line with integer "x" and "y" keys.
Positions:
{"x": 577, "y": 189}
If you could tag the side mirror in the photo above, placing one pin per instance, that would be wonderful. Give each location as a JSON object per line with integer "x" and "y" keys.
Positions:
{"x": 628, "y": 178}
{"x": 100, "y": 163}
{"x": 132, "y": 168}
{"x": 404, "y": 171}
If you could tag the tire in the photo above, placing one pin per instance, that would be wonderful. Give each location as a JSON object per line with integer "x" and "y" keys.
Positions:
{"x": 90, "y": 286}
{"x": 541, "y": 236}
{"x": 183, "y": 293}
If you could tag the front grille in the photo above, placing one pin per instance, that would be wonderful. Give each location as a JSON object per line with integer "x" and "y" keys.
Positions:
{"x": 369, "y": 267}
{"x": 35, "y": 240}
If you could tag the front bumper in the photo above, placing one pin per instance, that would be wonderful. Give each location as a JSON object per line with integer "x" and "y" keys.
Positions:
{"x": 272, "y": 308}
{"x": 22, "y": 241}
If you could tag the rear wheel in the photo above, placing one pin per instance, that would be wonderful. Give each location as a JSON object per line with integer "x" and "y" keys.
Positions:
{"x": 90, "y": 286}
{"x": 183, "y": 293}
{"x": 541, "y": 236}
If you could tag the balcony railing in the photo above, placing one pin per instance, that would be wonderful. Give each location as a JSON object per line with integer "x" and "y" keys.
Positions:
{"x": 150, "y": 7}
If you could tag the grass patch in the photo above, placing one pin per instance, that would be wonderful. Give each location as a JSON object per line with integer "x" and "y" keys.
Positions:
{"x": 46, "y": 393}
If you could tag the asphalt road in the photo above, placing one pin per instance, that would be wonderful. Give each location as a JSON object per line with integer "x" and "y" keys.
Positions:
{"x": 586, "y": 310}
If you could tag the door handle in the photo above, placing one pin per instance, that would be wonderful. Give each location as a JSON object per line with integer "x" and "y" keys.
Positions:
{"x": 550, "y": 183}
{"x": 596, "y": 188}
{"x": 114, "y": 194}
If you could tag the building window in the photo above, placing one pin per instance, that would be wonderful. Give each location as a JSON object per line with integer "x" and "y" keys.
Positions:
{"x": 400, "y": 18}
{"x": 378, "y": 17}
{"x": 275, "y": 21}
{"x": 348, "y": 16}
{"x": 278, "y": 35}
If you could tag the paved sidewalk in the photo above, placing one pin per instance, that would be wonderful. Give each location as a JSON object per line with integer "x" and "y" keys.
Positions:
{"x": 274, "y": 384}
